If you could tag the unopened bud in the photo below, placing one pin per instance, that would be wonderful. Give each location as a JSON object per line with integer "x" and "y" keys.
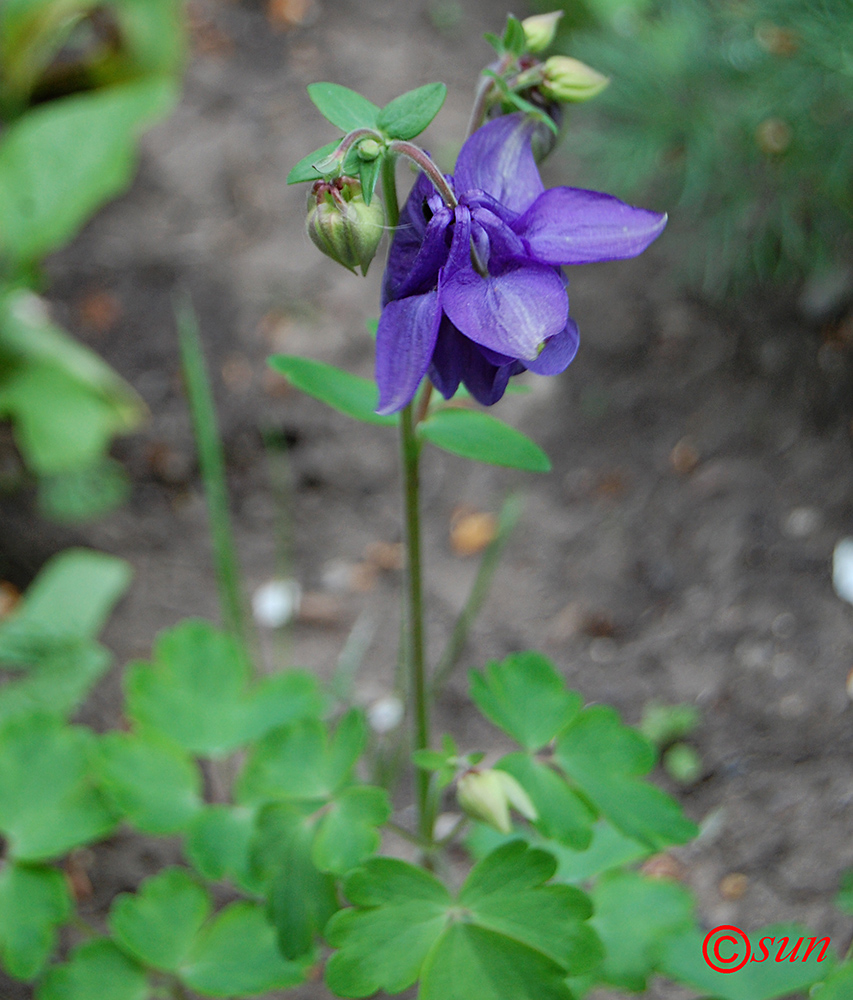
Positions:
{"x": 369, "y": 149}
{"x": 539, "y": 30}
{"x": 568, "y": 79}
{"x": 341, "y": 225}
{"x": 489, "y": 794}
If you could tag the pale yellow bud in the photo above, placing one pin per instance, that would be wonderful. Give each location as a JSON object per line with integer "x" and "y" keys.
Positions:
{"x": 539, "y": 30}
{"x": 568, "y": 79}
{"x": 487, "y": 795}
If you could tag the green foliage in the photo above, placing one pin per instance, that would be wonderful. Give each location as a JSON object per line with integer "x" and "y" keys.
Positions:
{"x": 196, "y": 691}
{"x": 838, "y": 985}
{"x": 410, "y": 113}
{"x": 763, "y": 979}
{"x": 34, "y": 901}
{"x": 344, "y": 108}
{"x": 482, "y": 437}
{"x": 505, "y": 934}
{"x": 739, "y": 115}
{"x": 48, "y": 803}
{"x": 349, "y": 394}
{"x": 95, "y": 969}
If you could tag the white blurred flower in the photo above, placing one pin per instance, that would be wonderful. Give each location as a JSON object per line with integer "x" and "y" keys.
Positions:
{"x": 385, "y": 714}
{"x": 842, "y": 569}
{"x": 276, "y": 602}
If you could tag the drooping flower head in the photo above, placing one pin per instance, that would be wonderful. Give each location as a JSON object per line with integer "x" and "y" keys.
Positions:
{"x": 473, "y": 293}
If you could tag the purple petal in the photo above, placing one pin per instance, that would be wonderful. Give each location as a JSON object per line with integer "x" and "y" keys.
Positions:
{"x": 572, "y": 226}
{"x": 445, "y": 371}
{"x": 404, "y": 344}
{"x": 497, "y": 159}
{"x": 511, "y": 312}
{"x": 486, "y": 382}
{"x": 558, "y": 352}
{"x": 423, "y": 269}
{"x": 408, "y": 238}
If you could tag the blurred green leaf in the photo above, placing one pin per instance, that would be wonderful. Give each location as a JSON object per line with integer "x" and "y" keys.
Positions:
{"x": 349, "y": 394}
{"x": 410, "y": 113}
{"x": 151, "y": 782}
{"x": 301, "y": 761}
{"x": 526, "y": 697}
{"x": 838, "y": 985}
{"x": 64, "y": 159}
{"x": 343, "y": 107}
{"x": 196, "y": 691}
{"x": 48, "y": 803}
{"x": 95, "y": 969}
{"x": 844, "y": 899}
{"x": 761, "y": 978}
{"x": 348, "y": 833}
{"x": 482, "y": 437}
{"x": 236, "y": 955}
{"x": 83, "y": 494}
{"x": 300, "y": 898}
{"x": 34, "y": 901}
{"x": 58, "y": 683}
{"x": 662, "y": 724}
{"x": 158, "y": 924}
{"x": 606, "y": 760}
{"x": 562, "y": 814}
{"x": 636, "y": 917}
{"x": 217, "y": 845}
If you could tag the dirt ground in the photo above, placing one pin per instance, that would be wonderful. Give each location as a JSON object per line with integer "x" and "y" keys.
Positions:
{"x": 680, "y": 550}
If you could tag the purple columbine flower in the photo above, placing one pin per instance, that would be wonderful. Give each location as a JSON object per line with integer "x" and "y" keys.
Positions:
{"x": 474, "y": 293}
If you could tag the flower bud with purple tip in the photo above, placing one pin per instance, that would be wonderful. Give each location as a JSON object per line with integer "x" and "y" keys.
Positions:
{"x": 341, "y": 225}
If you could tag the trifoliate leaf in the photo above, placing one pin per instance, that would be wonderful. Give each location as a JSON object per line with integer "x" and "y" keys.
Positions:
{"x": 343, "y": 107}
{"x": 410, "y": 113}
{"x": 34, "y": 901}
{"x": 562, "y": 814}
{"x": 48, "y": 802}
{"x": 506, "y": 935}
{"x": 769, "y": 974}
{"x": 636, "y": 918}
{"x": 349, "y": 394}
{"x": 196, "y": 691}
{"x": 526, "y": 697}
{"x": 236, "y": 954}
{"x": 95, "y": 969}
{"x": 483, "y": 438}
{"x": 300, "y": 898}
{"x": 154, "y": 784}
{"x": 606, "y": 761}
{"x": 158, "y": 924}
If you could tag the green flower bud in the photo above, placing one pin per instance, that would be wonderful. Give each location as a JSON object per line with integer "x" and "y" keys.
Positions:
{"x": 568, "y": 79}
{"x": 488, "y": 794}
{"x": 341, "y": 225}
{"x": 539, "y": 30}
{"x": 368, "y": 149}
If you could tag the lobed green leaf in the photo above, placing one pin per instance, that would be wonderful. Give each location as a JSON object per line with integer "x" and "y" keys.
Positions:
{"x": 305, "y": 169}
{"x": 526, "y": 697}
{"x": 95, "y": 969}
{"x": 218, "y": 845}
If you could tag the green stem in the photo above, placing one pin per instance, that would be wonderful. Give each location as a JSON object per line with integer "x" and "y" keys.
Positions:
{"x": 415, "y": 658}
{"x": 212, "y": 464}
{"x": 389, "y": 191}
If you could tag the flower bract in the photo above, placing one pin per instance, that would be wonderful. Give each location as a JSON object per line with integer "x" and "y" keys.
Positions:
{"x": 473, "y": 293}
